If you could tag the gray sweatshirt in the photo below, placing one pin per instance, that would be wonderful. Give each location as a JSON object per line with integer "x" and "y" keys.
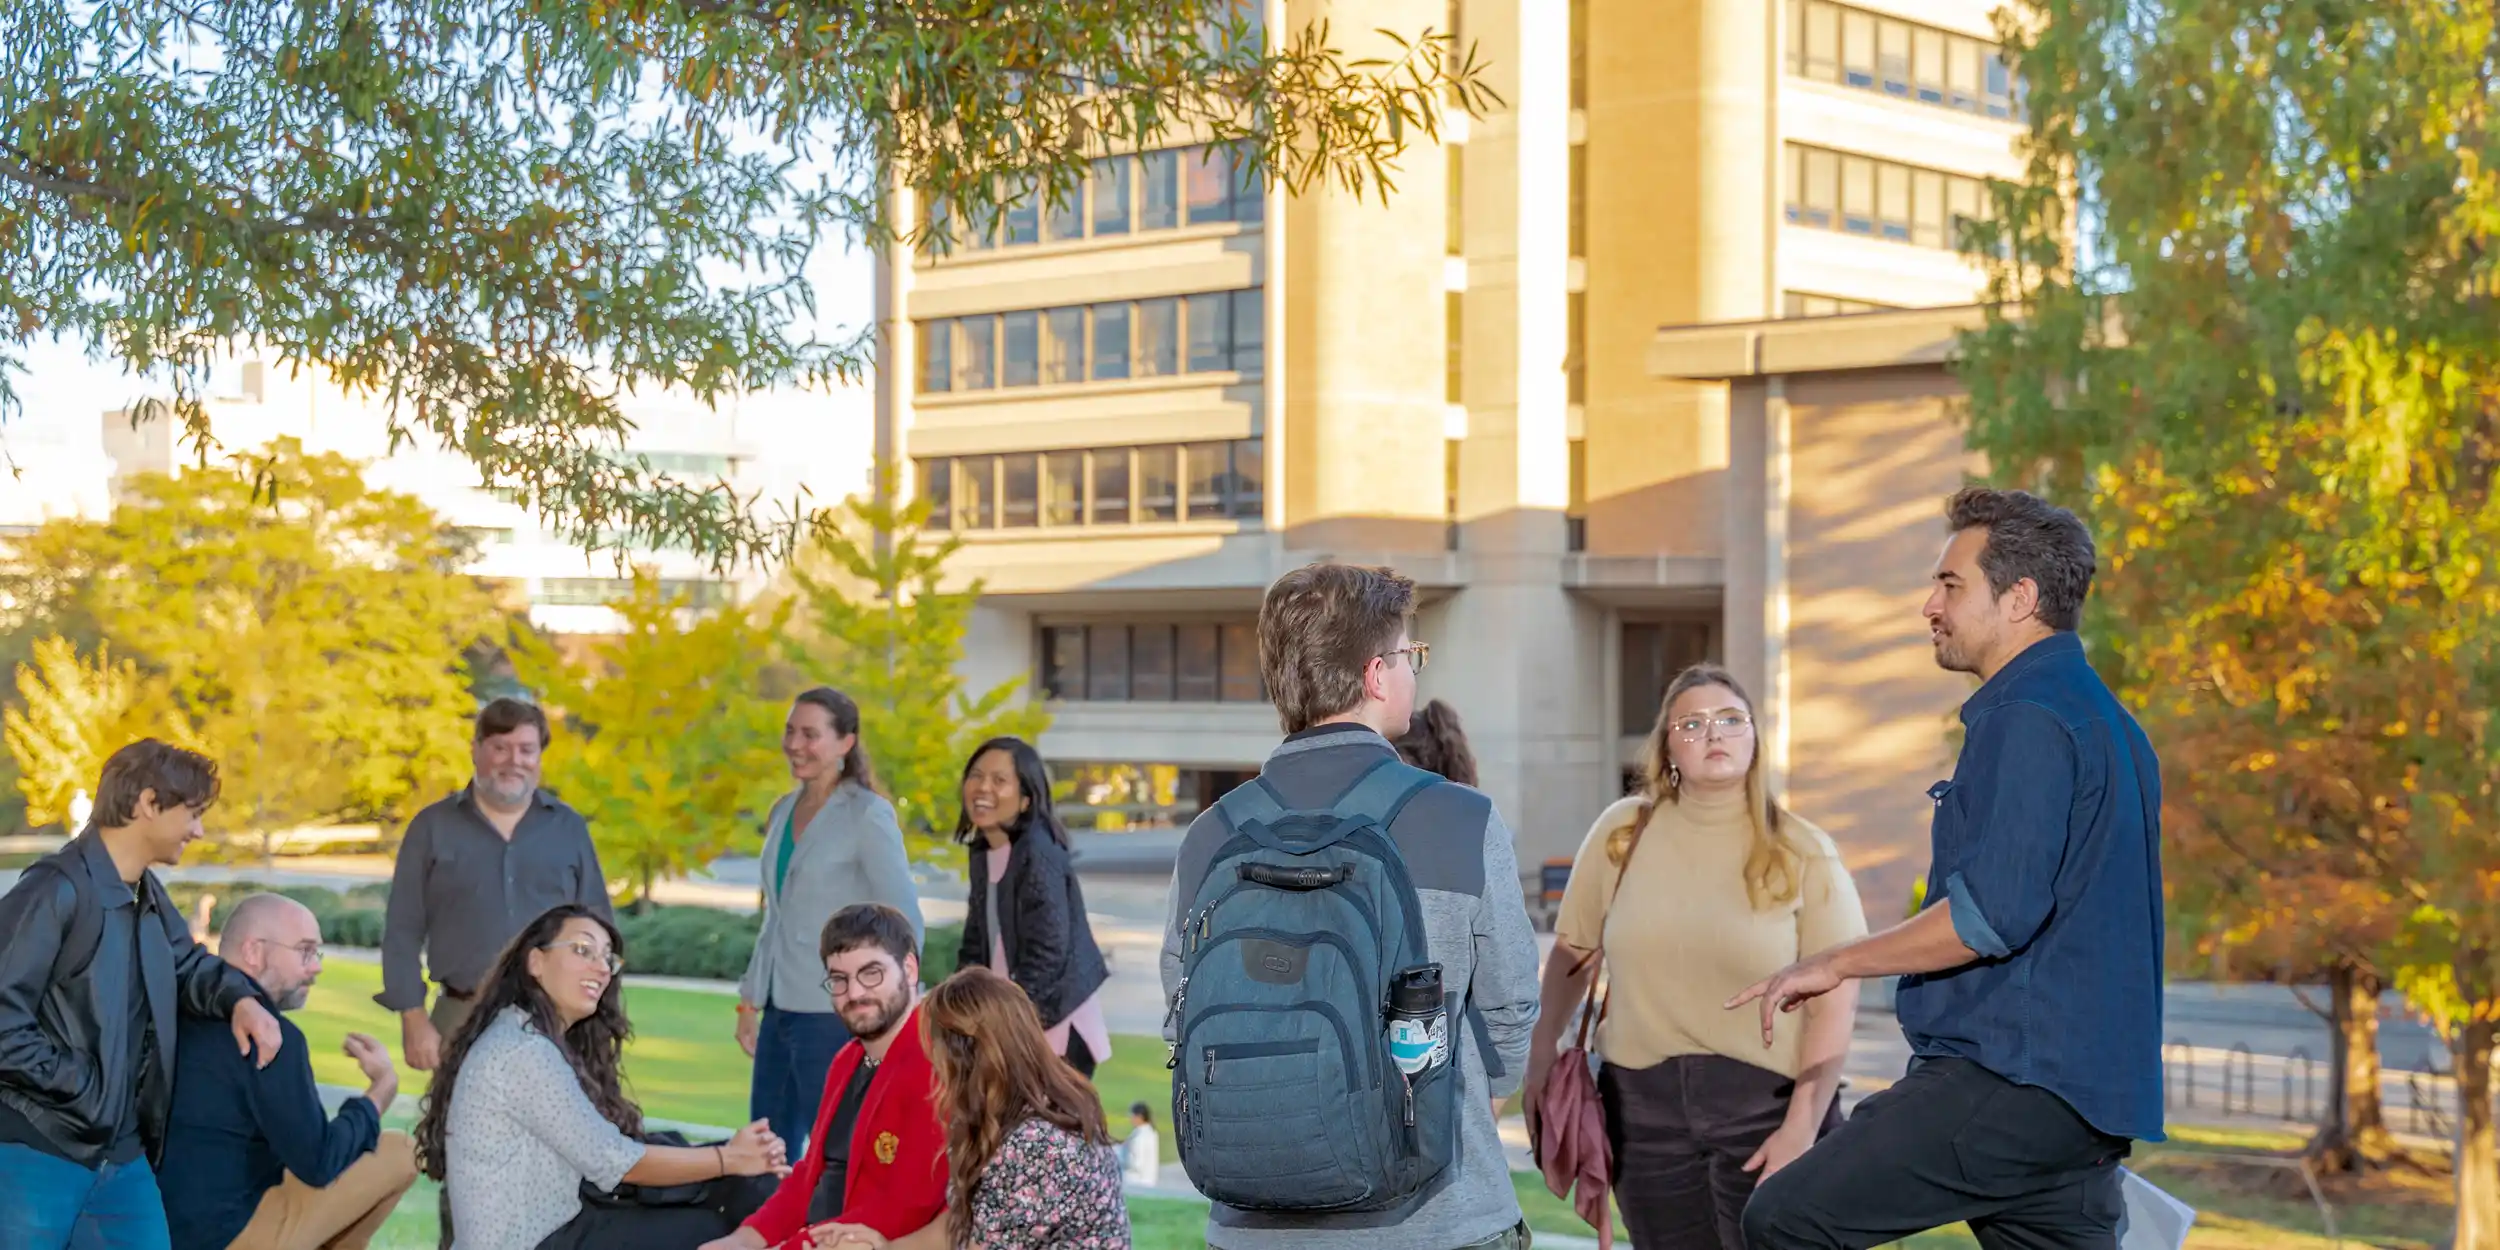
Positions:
{"x": 1466, "y": 875}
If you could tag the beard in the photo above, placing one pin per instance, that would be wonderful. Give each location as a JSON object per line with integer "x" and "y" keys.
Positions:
{"x": 871, "y": 1021}
{"x": 504, "y": 794}
{"x": 1953, "y": 655}
{"x": 292, "y": 1000}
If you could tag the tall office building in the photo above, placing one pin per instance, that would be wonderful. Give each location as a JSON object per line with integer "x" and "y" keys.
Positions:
{"x": 1140, "y": 407}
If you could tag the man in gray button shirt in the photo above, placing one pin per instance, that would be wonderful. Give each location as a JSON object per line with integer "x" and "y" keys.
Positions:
{"x": 474, "y": 870}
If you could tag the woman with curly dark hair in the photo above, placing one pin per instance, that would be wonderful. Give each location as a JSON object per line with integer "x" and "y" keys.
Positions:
{"x": 1435, "y": 742}
{"x": 529, "y": 1104}
{"x": 1030, "y": 1163}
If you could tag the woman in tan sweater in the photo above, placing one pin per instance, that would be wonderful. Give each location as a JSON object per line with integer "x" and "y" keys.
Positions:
{"x": 1696, "y": 888}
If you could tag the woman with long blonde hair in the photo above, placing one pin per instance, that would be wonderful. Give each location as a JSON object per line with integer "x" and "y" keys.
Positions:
{"x": 1694, "y": 888}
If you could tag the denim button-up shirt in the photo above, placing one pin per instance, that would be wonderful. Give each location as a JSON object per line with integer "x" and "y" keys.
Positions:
{"x": 2047, "y": 843}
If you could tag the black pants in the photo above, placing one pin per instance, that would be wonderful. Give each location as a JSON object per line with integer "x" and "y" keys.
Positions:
{"x": 1681, "y": 1132}
{"x": 1080, "y": 1056}
{"x": 733, "y": 1199}
{"x": 1953, "y": 1141}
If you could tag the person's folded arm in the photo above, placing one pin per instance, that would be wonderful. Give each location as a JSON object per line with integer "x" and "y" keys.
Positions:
{"x": 204, "y": 985}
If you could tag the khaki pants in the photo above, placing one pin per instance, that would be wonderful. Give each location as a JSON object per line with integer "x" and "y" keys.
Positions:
{"x": 342, "y": 1215}
{"x": 448, "y": 1015}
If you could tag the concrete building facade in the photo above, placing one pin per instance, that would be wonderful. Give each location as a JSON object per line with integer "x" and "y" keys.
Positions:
{"x": 1140, "y": 408}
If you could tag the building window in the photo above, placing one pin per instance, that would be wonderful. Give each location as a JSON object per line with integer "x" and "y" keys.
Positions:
{"x": 1579, "y": 39}
{"x": 1653, "y": 653}
{"x": 1110, "y": 342}
{"x": 1453, "y": 349}
{"x": 1880, "y": 199}
{"x": 1807, "y": 304}
{"x": 480, "y": 536}
{"x": 1249, "y": 330}
{"x": 1210, "y": 191}
{"x": 1158, "y": 338}
{"x": 1456, "y": 208}
{"x": 1151, "y": 662}
{"x": 594, "y": 592}
{"x": 1206, "y": 184}
{"x": 1210, "y": 332}
{"x": 1851, "y": 47}
{"x": 976, "y": 353}
{"x": 1065, "y": 221}
{"x": 1110, "y": 195}
{"x": 1063, "y": 346}
{"x": 937, "y": 368}
{"x": 1579, "y": 207}
{"x": 680, "y": 464}
{"x": 1160, "y": 172}
{"x": 1210, "y": 481}
{"x": 1020, "y": 357}
{"x": 1576, "y": 500}
{"x": 1214, "y": 332}
{"x": 1576, "y": 346}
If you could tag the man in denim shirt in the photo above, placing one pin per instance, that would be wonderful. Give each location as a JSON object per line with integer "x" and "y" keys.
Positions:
{"x": 2031, "y": 985}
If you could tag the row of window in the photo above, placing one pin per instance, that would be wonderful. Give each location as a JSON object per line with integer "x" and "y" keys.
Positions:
{"x": 1161, "y": 190}
{"x": 1853, "y": 194}
{"x": 1217, "y": 332}
{"x": 602, "y": 591}
{"x": 1152, "y": 662}
{"x": 1097, "y": 486}
{"x": 1807, "y": 304}
{"x": 1835, "y": 43}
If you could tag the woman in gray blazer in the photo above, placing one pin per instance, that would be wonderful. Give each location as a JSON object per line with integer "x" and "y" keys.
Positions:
{"x": 830, "y": 843}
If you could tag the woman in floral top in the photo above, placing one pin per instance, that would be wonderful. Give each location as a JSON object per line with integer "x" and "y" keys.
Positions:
{"x": 1033, "y": 1166}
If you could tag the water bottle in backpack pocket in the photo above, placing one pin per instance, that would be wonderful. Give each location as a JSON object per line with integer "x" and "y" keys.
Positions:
{"x": 1286, "y": 1093}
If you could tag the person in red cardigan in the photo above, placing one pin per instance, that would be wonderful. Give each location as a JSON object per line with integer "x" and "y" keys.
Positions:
{"x": 877, "y": 1157}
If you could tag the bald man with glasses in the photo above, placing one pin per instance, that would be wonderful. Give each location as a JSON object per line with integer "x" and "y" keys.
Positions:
{"x": 252, "y": 1160}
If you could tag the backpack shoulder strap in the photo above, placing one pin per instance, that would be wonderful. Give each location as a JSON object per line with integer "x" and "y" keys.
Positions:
{"x": 86, "y": 923}
{"x": 1383, "y": 792}
{"x": 1254, "y": 811}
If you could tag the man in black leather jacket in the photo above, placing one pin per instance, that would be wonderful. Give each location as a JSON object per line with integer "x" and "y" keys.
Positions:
{"x": 95, "y": 962}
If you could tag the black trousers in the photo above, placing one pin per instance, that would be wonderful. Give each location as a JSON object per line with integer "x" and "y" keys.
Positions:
{"x": 733, "y": 1199}
{"x": 1681, "y": 1132}
{"x": 1080, "y": 1056}
{"x": 1953, "y": 1141}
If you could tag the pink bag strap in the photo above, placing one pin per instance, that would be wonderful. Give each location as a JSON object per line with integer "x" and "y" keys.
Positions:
{"x": 1593, "y": 1007}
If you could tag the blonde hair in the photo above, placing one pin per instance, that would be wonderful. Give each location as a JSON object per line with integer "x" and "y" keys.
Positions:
{"x": 1773, "y": 864}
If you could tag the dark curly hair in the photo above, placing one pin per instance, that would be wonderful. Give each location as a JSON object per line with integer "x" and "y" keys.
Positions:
{"x": 595, "y": 1045}
{"x": 1435, "y": 742}
{"x": 2029, "y": 538}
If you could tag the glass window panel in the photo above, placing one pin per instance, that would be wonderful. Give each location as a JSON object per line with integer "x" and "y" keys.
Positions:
{"x": 1892, "y": 55}
{"x": 1249, "y": 323}
{"x": 1200, "y": 676}
{"x": 2000, "y": 93}
{"x": 1892, "y": 203}
{"x": 1210, "y": 189}
{"x": 1249, "y": 498}
{"x": 1208, "y": 319}
{"x": 1021, "y": 357}
{"x": 976, "y": 492}
{"x": 1578, "y": 210}
{"x": 1158, "y": 483}
{"x": 1454, "y": 201}
{"x": 1927, "y": 209}
{"x": 1250, "y": 191}
{"x": 1857, "y": 195}
{"x": 1063, "y": 662}
{"x": 1024, "y": 220}
{"x": 1020, "y": 495}
{"x": 1961, "y": 204}
{"x": 1822, "y": 42}
{"x": 1453, "y": 346}
{"x": 1063, "y": 346}
{"x": 1161, "y": 172}
{"x": 1106, "y": 662}
{"x": 1110, "y": 195}
{"x": 1857, "y": 48}
{"x": 1158, "y": 337}
{"x": 1150, "y": 663}
{"x": 1927, "y": 64}
{"x": 1110, "y": 341}
{"x": 1796, "y": 35}
{"x": 976, "y": 356}
{"x": 937, "y": 365}
{"x": 980, "y": 228}
{"x": 1822, "y": 179}
{"x": 1239, "y": 645}
{"x": 1065, "y": 220}
{"x": 1063, "y": 488}
{"x": 1111, "y": 485}
{"x": 1962, "y": 59}
{"x": 1209, "y": 465}
{"x": 937, "y": 489}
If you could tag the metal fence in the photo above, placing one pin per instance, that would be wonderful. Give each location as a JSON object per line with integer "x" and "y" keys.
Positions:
{"x": 2239, "y": 1083}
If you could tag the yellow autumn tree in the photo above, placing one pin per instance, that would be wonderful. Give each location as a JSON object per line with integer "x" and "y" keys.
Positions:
{"x": 74, "y": 711}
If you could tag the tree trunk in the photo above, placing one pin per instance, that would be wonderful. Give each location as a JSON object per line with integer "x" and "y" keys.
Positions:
{"x": 2478, "y": 1152}
{"x": 2355, "y": 1137}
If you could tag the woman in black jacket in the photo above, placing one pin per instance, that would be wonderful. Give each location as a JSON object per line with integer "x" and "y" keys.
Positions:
{"x": 1026, "y": 917}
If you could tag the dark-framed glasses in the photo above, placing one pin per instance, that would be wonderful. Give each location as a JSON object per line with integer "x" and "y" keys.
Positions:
{"x": 871, "y": 977}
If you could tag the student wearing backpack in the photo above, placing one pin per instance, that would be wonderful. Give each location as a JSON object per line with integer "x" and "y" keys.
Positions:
{"x": 95, "y": 965}
{"x": 1349, "y": 968}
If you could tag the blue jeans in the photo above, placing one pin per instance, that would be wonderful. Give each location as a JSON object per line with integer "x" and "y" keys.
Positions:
{"x": 49, "y": 1203}
{"x": 793, "y": 1052}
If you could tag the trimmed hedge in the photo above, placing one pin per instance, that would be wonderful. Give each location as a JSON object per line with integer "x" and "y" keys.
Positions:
{"x": 700, "y": 942}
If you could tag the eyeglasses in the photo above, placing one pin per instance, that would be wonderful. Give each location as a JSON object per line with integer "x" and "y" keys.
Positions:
{"x": 871, "y": 977}
{"x": 1728, "y": 724}
{"x": 590, "y": 954}
{"x": 309, "y": 952}
{"x": 1421, "y": 653}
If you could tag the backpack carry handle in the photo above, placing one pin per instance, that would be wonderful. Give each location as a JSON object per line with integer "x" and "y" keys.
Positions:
{"x": 1279, "y": 877}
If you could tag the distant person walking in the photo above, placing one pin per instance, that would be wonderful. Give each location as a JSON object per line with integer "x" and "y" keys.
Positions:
{"x": 2031, "y": 985}
{"x": 475, "y": 869}
{"x": 1435, "y": 742}
{"x": 95, "y": 964}
{"x": 1026, "y": 917}
{"x": 1720, "y": 887}
{"x": 829, "y": 844}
